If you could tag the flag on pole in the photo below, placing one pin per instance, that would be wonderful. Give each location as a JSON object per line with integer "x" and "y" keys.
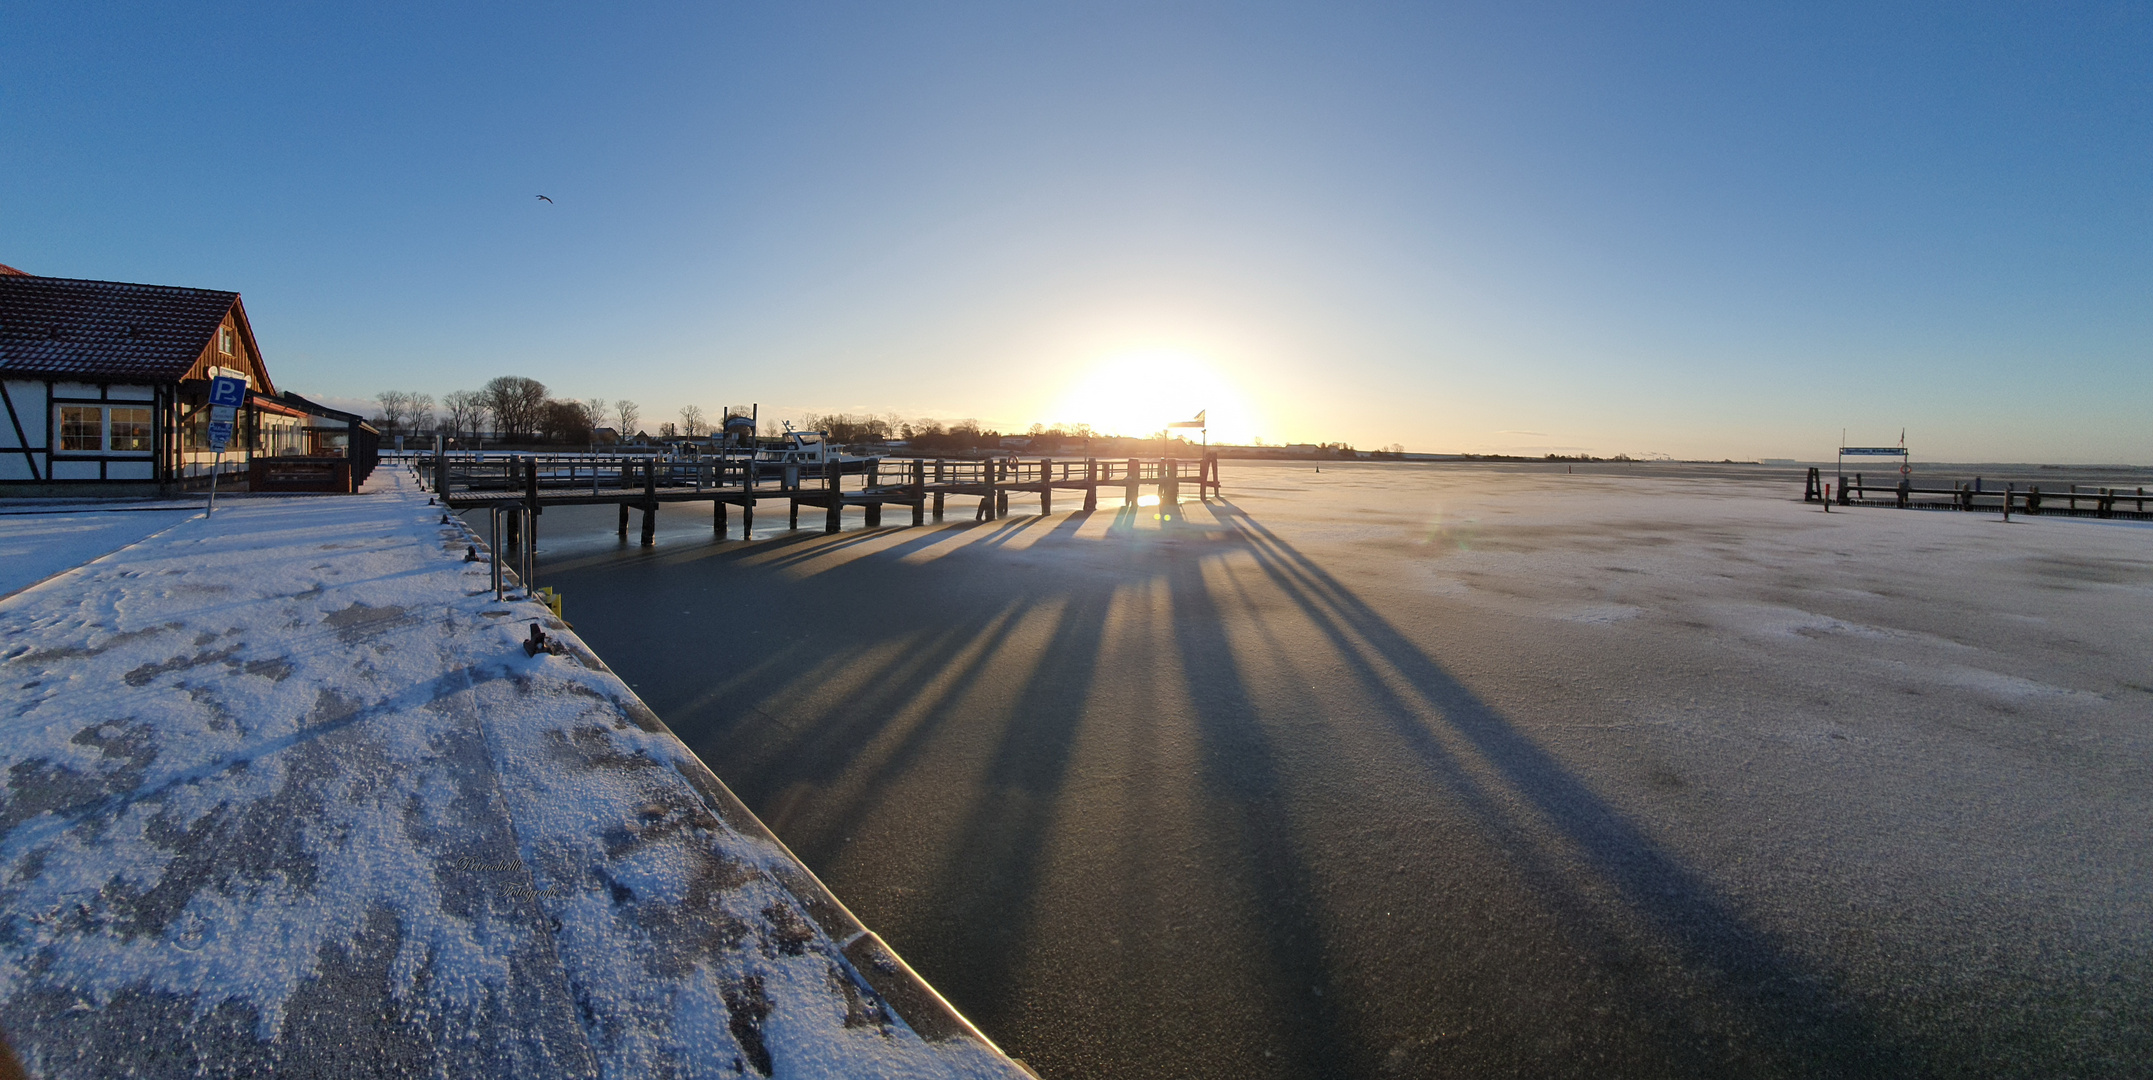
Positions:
{"x": 1196, "y": 423}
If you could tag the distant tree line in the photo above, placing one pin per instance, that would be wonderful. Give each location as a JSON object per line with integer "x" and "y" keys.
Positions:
{"x": 515, "y": 409}
{"x": 511, "y": 408}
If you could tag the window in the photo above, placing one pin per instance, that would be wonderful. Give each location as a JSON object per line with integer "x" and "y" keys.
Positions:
{"x": 227, "y": 341}
{"x": 82, "y": 427}
{"x": 91, "y": 429}
{"x": 130, "y": 429}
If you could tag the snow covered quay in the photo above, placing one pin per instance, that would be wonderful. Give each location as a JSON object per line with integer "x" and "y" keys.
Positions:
{"x": 286, "y": 795}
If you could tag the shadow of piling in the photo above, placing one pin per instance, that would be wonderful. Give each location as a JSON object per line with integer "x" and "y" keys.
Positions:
{"x": 1732, "y": 999}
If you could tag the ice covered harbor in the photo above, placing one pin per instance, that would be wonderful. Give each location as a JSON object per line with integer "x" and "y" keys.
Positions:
{"x": 1374, "y": 771}
{"x": 1491, "y": 769}
{"x": 286, "y": 795}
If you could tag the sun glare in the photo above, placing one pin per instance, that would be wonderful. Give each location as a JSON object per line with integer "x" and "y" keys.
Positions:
{"x": 1139, "y": 393}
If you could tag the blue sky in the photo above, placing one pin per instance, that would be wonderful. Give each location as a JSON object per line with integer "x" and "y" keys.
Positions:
{"x": 1703, "y": 230}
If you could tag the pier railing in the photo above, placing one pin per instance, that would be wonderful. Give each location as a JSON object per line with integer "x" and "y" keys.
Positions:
{"x": 452, "y": 473}
{"x": 2070, "y": 500}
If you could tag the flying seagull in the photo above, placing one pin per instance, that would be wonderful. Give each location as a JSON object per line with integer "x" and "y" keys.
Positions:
{"x": 543, "y": 197}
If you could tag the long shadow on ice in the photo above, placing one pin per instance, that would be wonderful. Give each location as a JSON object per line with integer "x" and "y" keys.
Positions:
{"x": 1766, "y": 1010}
{"x": 921, "y": 628}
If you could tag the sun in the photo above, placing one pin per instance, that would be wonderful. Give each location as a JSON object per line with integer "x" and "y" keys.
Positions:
{"x": 1139, "y": 392}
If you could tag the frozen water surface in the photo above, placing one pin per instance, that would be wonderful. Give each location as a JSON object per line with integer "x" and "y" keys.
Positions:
{"x": 1448, "y": 770}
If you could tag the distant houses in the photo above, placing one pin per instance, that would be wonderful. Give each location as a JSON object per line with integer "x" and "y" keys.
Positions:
{"x": 104, "y": 390}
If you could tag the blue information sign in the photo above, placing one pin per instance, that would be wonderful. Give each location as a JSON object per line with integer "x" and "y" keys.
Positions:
{"x": 227, "y": 391}
{"x": 220, "y": 433}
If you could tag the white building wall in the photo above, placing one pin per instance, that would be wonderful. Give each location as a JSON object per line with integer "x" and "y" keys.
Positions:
{"x": 29, "y": 401}
{"x": 103, "y": 463}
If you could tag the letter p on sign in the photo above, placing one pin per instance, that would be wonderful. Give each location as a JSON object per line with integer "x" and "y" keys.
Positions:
{"x": 227, "y": 391}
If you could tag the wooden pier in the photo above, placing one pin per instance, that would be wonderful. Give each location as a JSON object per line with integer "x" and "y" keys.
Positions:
{"x": 527, "y": 484}
{"x": 2063, "y": 500}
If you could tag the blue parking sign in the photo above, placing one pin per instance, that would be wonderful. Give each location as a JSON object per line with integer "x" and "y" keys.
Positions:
{"x": 227, "y": 391}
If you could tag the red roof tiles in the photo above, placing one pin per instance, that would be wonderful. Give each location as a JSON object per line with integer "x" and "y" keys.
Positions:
{"x": 105, "y": 330}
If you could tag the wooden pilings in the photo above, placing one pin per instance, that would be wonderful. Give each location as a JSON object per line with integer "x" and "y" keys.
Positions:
{"x": 529, "y": 483}
{"x": 1968, "y": 496}
{"x": 650, "y": 504}
{"x": 831, "y": 477}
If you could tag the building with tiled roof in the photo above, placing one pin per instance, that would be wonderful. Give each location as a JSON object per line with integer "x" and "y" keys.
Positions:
{"x": 105, "y": 388}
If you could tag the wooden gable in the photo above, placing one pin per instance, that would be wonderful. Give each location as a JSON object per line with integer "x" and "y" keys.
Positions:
{"x": 246, "y": 356}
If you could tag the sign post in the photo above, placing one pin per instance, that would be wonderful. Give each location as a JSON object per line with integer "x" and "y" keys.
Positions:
{"x": 226, "y": 395}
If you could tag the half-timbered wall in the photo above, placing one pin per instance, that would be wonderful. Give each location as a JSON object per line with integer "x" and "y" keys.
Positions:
{"x": 63, "y": 432}
{"x": 23, "y": 429}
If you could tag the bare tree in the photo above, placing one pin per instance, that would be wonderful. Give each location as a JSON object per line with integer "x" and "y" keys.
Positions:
{"x": 420, "y": 409}
{"x": 847, "y": 428}
{"x": 395, "y": 410}
{"x": 466, "y": 411}
{"x": 668, "y": 430}
{"x": 517, "y": 404}
{"x": 593, "y": 416}
{"x": 692, "y": 423}
{"x": 565, "y": 421}
{"x": 628, "y": 414}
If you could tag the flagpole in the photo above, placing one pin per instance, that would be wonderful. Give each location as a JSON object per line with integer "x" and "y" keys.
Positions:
{"x": 1202, "y": 422}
